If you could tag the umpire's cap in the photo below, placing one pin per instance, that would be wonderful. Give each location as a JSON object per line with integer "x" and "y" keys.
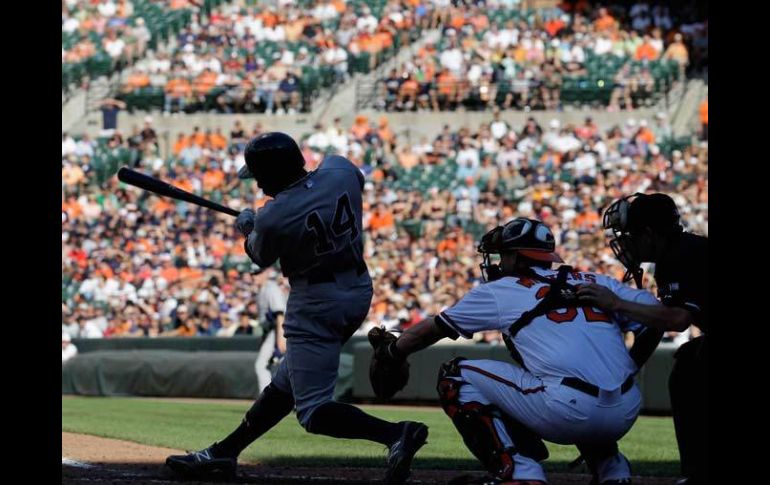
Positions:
{"x": 274, "y": 160}
{"x": 656, "y": 211}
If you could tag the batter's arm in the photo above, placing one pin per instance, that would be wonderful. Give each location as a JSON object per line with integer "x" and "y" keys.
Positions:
{"x": 260, "y": 248}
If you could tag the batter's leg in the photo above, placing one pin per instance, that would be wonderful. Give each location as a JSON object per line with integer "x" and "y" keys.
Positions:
{"x": 272, "y": 405}
{"x": 220, "y": 459}
{"x": 313, "y": 366}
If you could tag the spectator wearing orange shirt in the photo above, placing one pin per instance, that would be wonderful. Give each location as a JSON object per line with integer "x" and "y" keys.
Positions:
{"x": 217, "y": 139}
{"x": 177, "y": 90}
{"x": 479, "y": 21}
{"x": 360, "y": 127}
{"x": 381, "y": 219}
{"x": 445, "y": 94}
{"x": 407, "y": 94}
{"x": 703, "y": 112}
{"x": 180, "y": 144}
{"x": 554, "y": 25}
{"x": 646, "y": 51}
{"x": 604, "y": 21}
{"x": 198, "y": 138}
{"x": 645, "y": 134}
{"x": 385, "y": 134}
{"x": 204, "y": 83}
{"x": 136, "y": 80}
{"x": 213, "y": 178}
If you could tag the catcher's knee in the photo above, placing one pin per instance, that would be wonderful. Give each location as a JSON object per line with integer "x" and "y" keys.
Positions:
{"x": 475, "y": 423}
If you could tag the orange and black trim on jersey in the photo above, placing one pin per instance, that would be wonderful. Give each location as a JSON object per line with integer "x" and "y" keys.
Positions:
{"x": 450, "y": 327}
{"x": 502, "y": 380}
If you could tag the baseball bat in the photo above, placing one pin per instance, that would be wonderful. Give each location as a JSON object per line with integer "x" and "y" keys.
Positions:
{"x": 157, "y": 186}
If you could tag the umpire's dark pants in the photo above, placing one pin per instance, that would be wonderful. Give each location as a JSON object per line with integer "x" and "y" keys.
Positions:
{"x": 689, "y": 401}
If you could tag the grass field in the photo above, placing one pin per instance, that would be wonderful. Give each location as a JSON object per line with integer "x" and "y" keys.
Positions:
{"x": 651, "y": 445}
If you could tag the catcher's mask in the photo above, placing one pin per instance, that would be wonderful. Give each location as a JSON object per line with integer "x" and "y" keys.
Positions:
{"x": 528, "y": 237}
{"x": 627, "y": 218}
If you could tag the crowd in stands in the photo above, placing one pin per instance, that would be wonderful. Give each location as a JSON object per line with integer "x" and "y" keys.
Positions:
{"x": 510, "y": 58}
{"x": 135, "y": 264}
{"x": 246, "y": 58}
{"x": 102, "y": 36}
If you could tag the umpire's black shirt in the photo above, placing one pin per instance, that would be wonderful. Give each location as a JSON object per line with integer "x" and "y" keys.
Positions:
{"x": 682, "y": 276}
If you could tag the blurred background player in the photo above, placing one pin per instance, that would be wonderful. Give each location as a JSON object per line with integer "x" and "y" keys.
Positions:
{"x": 272, "y": 308}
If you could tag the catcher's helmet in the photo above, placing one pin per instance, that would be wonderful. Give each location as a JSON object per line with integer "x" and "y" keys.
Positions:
{"x": 274, "y": 160}
{"x": 627, "y": 218}
{"x": 527, "y": 237}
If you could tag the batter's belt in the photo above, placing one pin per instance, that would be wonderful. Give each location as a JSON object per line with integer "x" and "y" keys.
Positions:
{"x": 329, "y": 275}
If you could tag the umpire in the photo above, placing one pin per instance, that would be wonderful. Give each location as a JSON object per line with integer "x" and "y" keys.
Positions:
{"x": 646, "y": 229}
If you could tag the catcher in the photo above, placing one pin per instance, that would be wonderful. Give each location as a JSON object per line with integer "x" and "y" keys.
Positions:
{"x": 574, "y": 378}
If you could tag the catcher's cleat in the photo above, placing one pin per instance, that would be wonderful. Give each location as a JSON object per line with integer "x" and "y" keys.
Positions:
{"x": 413, "y": 436}
{"x": 616, "y": 481}
{"x": 202, "y": 464}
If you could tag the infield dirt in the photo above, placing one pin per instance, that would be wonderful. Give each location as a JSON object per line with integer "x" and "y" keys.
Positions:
{"x": 101, "y": 461}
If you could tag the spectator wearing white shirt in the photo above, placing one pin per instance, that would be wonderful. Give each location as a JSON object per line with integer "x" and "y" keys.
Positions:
{"x": 287, "y": 57}
{"x": 107, "y": 8}
{"x": 88, "y": 329}
{"x": 84, "y": 147}
{"x": 336, "y": 57}
{"x": 141, "y": 33}
{"x": 468, "y": 154}
{"x": 70, "y": 24}
{"x": 325, "y": 11}
{"x": 319, "y": 139}
{"x": 657, "y": 41}
{"x": 68, "y": 349}
{"x": 68, "y": 145}
{"x": 452, "y": 58}
{"x": 114, "y": 45}
{"x": 499, "y": 128}
{"x": 602, "y": 45}
{"x": 366, "y": 22}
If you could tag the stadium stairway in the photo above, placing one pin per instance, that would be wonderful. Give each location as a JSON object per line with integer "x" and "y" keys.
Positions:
{"x": 685, "y": 113}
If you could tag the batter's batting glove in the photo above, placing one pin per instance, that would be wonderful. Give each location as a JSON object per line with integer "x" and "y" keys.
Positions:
{"x": 389, "y": 370}
{"x": 245, "y": 221}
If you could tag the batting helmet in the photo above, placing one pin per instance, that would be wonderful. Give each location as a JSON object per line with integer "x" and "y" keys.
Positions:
{"x": 274, "y": 160}
{"x": 527, "y": 237}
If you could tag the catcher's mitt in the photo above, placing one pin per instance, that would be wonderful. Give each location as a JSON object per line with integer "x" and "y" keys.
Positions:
{"x": 387, "y": 373}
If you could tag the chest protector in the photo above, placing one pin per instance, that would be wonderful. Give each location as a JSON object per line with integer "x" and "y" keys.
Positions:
{"x": 561, "y": 295}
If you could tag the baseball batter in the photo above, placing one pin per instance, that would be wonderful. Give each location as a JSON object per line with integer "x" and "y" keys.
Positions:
{"x": 574, "y": 381}
{"x": 313, "y": 227}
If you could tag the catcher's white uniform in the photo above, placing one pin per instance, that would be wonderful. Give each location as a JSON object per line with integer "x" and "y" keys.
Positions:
{"x": 577, "y": 343}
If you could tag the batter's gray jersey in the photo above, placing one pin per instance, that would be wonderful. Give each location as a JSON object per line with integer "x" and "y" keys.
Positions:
{"x": 315, "y": 224}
